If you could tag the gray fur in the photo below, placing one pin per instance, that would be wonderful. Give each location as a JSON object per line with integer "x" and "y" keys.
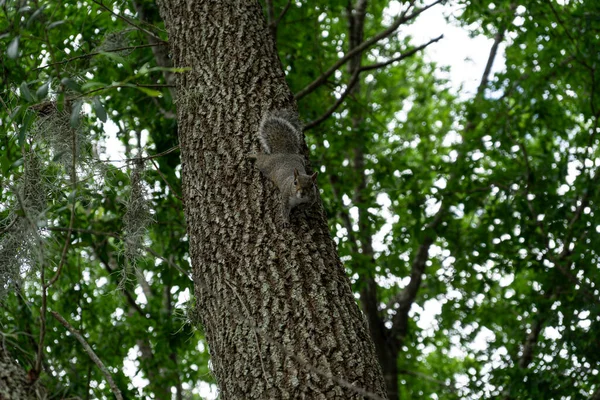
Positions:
{"x": 281, "y": 139}
{"x": 280, "y": 131}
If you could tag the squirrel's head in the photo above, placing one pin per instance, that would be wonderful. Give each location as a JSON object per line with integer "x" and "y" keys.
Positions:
{"x": 304, "y": 184}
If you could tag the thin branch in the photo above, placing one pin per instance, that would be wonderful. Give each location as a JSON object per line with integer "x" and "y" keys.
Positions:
{"x": 354, "y": 80}
{"x": 282, "y": 13}
{"x": 116, "y": 236}
{"x": 530, "y": 343}
{"x": 427, "y": 377}
{"x": 337, "y": 103}
{"x": 129, "y": 160}
{"x": 90, "y": 231}
{"x": 90, "y": 352}
{"x": 169, "y": 262}
{"x": 498, "y": 38}
{"x": 164, "y": 178}
{"x": 128, "y": 21}
{"x": 161, "y": 54}
{"x": 360, "y": 48}
{"x": 7, "y": 227}
{"x": 95, "y": 53}
{"x": 128, "y": 85}
{"x": 402, "y": 56}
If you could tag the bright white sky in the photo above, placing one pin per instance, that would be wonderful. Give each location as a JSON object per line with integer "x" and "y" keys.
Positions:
{"x": 466, "y": 56}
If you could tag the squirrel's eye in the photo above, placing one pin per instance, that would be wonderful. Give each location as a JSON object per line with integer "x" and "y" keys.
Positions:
{"x": 296, "y": 183}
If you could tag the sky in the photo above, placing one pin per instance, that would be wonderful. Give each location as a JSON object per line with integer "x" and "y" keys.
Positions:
{"x": 466, "y": 56}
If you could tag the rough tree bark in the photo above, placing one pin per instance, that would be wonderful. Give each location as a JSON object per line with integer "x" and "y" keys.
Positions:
{"x": 14, "y": 382}
{"x": 279, "y": 315}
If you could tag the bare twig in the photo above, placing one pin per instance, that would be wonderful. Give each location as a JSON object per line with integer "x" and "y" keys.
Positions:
{"x": 355, "y": 77}
{"x": 427, "y": 377}
{"x": 498, "y": 38}
{"x": 88, "y": 349}
{"x": 95, "y": 53}
{"x": 90, "y": 231}
{"x": 282, "y": 13}
{"x": 129, "y": 160}
{"x": 335, "y": 105}
{"x": 129, "y": 85}
{"x": 7, "y": 227}
{"x": 164, "y": 178}
{"x": 530, "y": 343}
{"x": 128, "y": 21}
{"x": 402, "y": 56}
{"x": 360, "y": 48}
{"x": 169, "y": 262}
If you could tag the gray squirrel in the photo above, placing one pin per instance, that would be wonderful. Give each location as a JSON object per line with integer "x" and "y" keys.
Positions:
{"x": 281, "y": 160}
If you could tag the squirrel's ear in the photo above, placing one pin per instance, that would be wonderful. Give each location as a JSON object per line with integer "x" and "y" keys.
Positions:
{"x": 314, "y": 177}
{"x": 296, "y": 173}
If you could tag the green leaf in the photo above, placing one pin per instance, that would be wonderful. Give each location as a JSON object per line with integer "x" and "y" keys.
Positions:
{"x": 24, "y": 127}
{"x": 149, "y": 92}
{"x": 15, "y": 113}
{"x": 59, "y": 155}
{"x": 114, "y": 57}
{"x": 99, "y": 109}
{"x": 16, "y": 164}
{"x": 71, "y": 84}
{"x": 36, "y": 14}
{"x": 92, "y": 85}
{"x": 42, "y": 91}
{"x": 169, "y": 69}
{"x": 76, "y": 113}
{"x": 26, "y": 93}
{"x": 13, "y": 48}
{"x": 55, "y": 24}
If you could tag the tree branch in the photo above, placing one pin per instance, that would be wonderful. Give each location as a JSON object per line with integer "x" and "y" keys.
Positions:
{"x": 93, "y": 356}
{"x": 354, "y": 79}
{"x": 161, "y": 54}
{"x": 360, "y": 48}
{"x": 337, "y": 103}
{"x": 530, "y": 343}
{"x": 282, "y": 13}
{"x": 95, "y": 53}
{"x": 128, "y": 21}
{"x": 427, "y": 377}
{"x": 402, "y": 56}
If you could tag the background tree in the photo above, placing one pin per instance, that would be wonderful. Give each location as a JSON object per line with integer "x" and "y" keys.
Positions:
{"x": 467, "y": 225}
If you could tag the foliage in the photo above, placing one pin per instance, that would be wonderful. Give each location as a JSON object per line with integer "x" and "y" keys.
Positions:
{"x": 508, "y": 305}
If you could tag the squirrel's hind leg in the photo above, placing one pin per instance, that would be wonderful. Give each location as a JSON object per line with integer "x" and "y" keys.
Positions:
{"x": 285, "y": 212}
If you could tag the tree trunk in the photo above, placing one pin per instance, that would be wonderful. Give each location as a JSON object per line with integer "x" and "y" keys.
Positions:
{"x": 14, "y": 382}
{"x": 386, "y": 348}
{"x": 279, "y": 315}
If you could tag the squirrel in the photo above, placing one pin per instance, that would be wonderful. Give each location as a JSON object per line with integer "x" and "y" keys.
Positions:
{"x": 281, "y": 160}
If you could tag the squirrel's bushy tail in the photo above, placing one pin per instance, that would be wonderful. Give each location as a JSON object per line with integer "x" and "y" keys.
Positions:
{"x": 281, "y": 132}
